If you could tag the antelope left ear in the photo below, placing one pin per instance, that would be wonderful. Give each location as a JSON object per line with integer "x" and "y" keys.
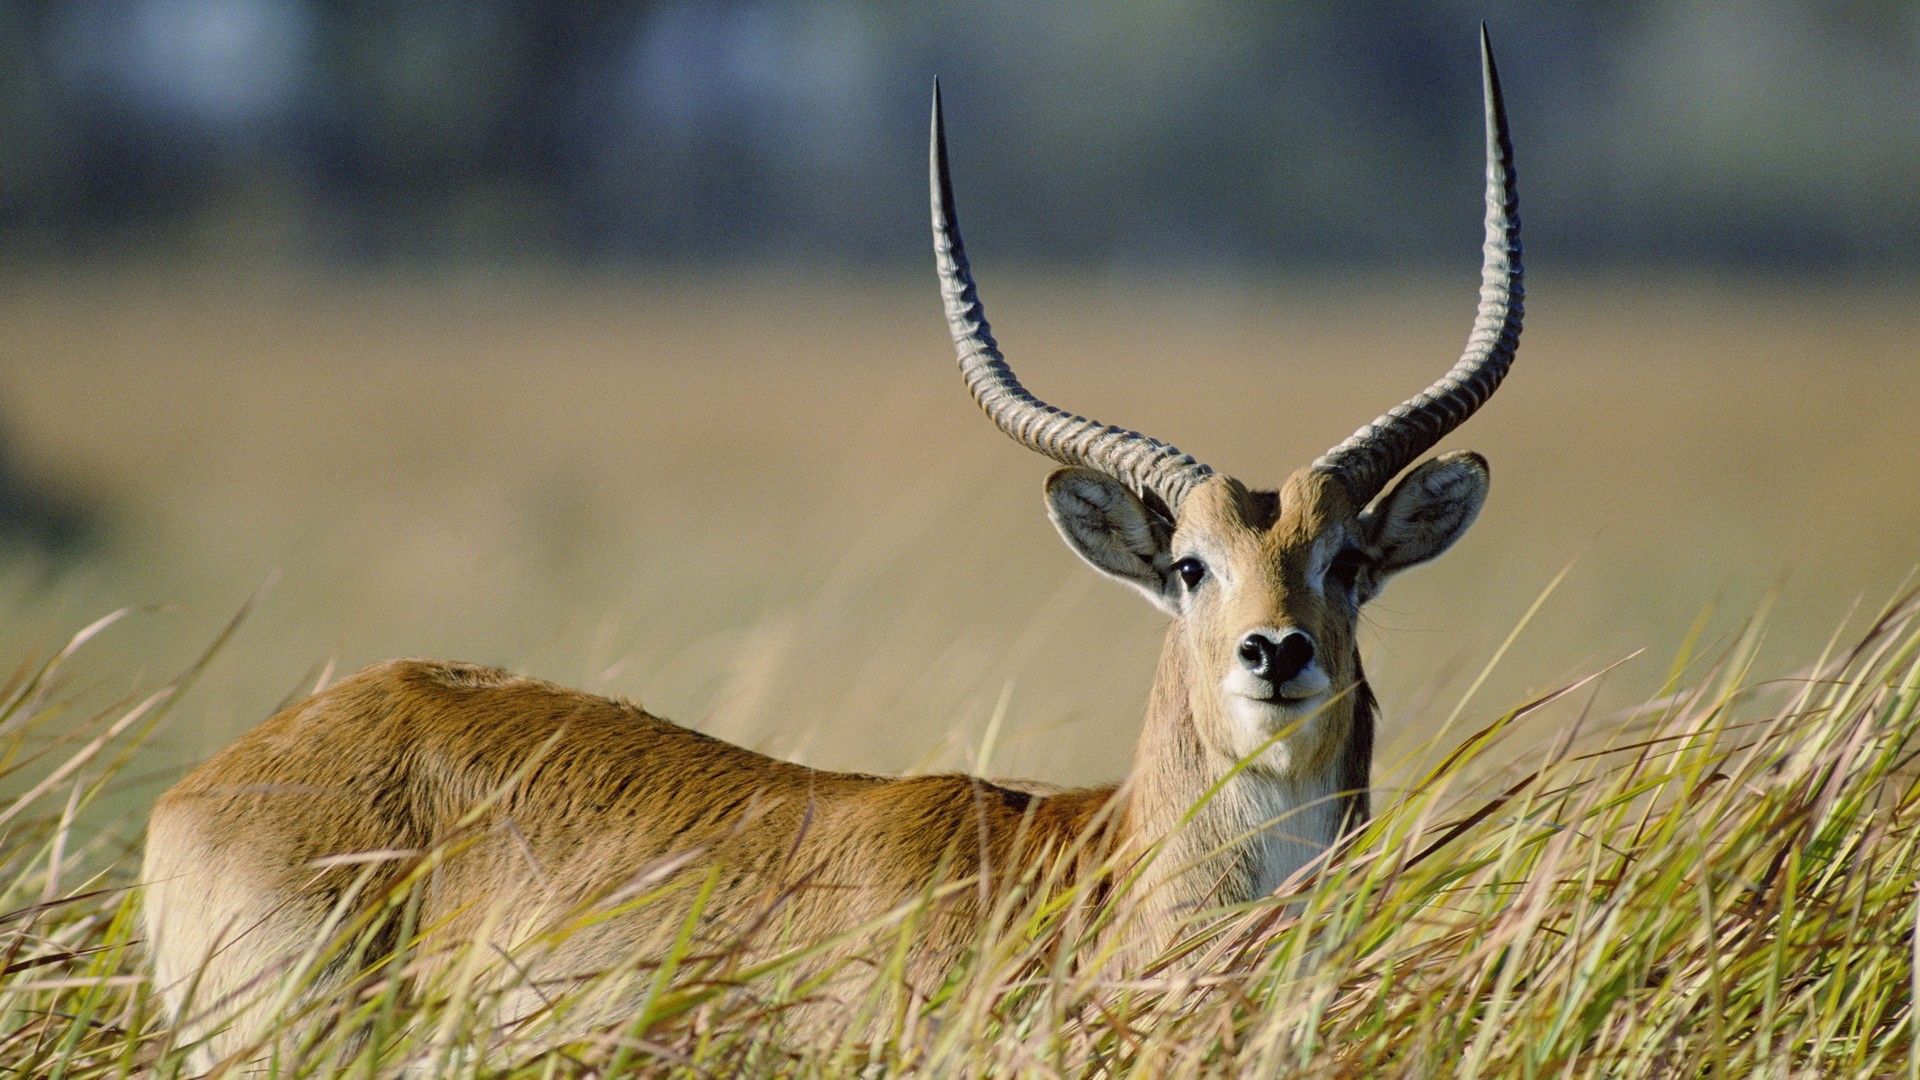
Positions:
{"x": 1426, "y": 512}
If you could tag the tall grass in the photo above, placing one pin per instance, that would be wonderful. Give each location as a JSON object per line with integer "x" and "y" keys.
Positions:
{"x": 1721, "y": 882}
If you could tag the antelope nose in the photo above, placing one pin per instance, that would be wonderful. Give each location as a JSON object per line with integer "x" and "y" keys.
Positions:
{"x": 1276, "y": 656}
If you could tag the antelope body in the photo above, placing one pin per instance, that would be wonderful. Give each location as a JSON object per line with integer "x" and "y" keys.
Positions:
{"x": 1253, "y": 757}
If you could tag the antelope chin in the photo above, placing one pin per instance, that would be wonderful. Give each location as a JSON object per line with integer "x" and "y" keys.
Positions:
{"x": 1259, "y": 716}
{"x": 1254, "y": 724}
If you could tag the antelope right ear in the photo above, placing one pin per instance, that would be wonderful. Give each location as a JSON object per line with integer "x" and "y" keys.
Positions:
{"x": 1108, "y": 526}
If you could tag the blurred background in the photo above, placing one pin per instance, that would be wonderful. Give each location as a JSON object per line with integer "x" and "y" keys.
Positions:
{"x": 1221, "y": 137}
{"x": 600, "y": 341}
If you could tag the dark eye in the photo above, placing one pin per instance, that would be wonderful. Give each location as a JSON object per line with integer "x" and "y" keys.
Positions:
{"x": 1192, "y": 572}
{"x": 1345, "y": 569}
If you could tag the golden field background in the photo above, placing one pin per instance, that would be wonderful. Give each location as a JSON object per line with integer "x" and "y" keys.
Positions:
{"x": 766, "y": 507}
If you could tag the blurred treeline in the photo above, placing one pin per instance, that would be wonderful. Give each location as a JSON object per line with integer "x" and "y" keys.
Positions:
{"x": 1237, "y": 133}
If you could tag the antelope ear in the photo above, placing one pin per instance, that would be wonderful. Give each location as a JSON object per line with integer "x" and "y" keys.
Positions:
{"x": 1109, "y": 527}
{"x": 1426, "y": 512}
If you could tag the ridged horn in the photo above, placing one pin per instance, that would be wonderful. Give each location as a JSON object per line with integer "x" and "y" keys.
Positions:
{"x": 1373, "y": 455}
{"x": 1153, "y": 469}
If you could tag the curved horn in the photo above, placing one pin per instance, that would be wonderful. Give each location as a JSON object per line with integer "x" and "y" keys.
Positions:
{"x": 1148, "y": 466}
{"x": 1371, "y": 456}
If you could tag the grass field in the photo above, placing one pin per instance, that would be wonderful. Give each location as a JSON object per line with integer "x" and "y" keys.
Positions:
{"x": 768, "y": 510}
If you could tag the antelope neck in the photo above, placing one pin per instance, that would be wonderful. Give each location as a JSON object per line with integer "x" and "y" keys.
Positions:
{"x": 1256, "y": 828}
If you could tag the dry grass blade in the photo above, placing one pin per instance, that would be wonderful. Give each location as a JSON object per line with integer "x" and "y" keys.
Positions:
{"x": 1729, "y": 890}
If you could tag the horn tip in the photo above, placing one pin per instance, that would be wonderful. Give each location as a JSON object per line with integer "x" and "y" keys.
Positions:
{"x": 937, "y": 128}
{"x": 1490, "y": 80}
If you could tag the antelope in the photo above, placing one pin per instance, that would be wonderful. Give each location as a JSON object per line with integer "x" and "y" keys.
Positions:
{"x": 1252, "y": 761}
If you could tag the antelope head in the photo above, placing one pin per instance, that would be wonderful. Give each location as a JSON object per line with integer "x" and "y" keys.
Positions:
{"x": 1264, "y": 587}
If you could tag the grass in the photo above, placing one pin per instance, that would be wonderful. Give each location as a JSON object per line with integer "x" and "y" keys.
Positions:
{"x": 1722, "y": 883}
{"x": 767, "y": 510}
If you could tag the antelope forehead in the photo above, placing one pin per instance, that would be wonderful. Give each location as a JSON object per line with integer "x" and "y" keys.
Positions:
{"x": 1250, "y": 537}
{"x": 1298, "y": 556}
{"x": 1318, "y": 554}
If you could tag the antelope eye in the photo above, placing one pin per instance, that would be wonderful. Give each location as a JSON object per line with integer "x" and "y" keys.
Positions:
{"x": 1345, "y": 568}
{"x": 1192, "y": 572}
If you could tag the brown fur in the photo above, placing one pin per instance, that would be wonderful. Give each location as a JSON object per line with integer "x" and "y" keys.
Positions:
{"x": 548, "y": 801}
